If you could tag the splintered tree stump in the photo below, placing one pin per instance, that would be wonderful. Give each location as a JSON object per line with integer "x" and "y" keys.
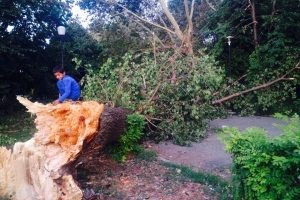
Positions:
{"x": 68, "y": 134}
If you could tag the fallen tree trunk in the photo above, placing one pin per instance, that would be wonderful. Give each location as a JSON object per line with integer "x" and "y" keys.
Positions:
{"x": 112, "y": 124}
{"x": 43, "y": 167}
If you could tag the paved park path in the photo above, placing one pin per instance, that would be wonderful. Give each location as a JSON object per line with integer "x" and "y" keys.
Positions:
{"x": 209, "y": 154}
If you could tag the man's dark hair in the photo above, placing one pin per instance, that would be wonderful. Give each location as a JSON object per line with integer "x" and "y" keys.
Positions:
{"x": 59, "y": 69}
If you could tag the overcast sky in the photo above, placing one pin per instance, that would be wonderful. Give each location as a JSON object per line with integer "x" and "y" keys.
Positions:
{"x": 82, "y": 16}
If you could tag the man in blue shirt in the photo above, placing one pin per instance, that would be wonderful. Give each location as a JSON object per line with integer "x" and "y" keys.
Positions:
{"x": 68, "y": 88}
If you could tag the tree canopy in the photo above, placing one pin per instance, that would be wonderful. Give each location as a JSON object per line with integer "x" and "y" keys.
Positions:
{"x": 173, "y": 37}
{"x": 168, "y": 60}
{"x": 265, "y": 45}
{"x": 31, "y": 48}
{"x": 25, "y": 27}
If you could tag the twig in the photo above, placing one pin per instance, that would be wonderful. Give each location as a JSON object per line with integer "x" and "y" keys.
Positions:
{"x": 150, "y": 122}
{"x": 144, "y": 82}
{"x": 155, "y": 91}
{"x": 119, "y": 85}
{"x": 210, "y": 5}
{"x": 147, "y": 29}
{"x": 103, "y": 89}
{"x": 154, "y": 51}
{"x": 12, "y": 131}
{"x": 154, "y": 118}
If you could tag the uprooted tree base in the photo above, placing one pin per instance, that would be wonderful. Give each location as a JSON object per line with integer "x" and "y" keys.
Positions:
{"x": 112, "y": 124}
{"x": 68, "y": 136}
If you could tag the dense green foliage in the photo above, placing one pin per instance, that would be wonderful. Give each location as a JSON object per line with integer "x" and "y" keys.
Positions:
{"x": 174, "y": 91}
{"x": 277, "y": 51}
{"x": 30, "y": 48}
{"x": 132, "y": 57}
{"x": 266, "y": 168}
{"x": 128, "y": 142}
{"x": 25, "y": 27}
{"x": 144, "y": 84}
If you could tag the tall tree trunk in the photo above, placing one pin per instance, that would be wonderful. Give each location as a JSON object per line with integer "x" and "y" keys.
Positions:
{"x": 253, "y": 15}
{"x": 184, "y": 36}
{"x": 187, "y": 39}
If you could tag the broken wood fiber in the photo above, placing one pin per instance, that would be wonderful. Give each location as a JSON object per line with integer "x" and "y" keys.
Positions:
{"x": 36, "y": 169}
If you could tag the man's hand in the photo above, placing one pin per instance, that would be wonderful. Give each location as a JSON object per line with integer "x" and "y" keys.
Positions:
{"x": 56, "y": 102}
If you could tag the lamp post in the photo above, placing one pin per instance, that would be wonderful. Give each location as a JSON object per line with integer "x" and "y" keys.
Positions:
{"x": 229, "y": 58}
{"x": 61, "y": 32}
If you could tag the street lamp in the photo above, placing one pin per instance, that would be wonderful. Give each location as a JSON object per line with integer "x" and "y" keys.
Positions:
{"x": 229, "y": 58}
{"x": 61, "y": 32}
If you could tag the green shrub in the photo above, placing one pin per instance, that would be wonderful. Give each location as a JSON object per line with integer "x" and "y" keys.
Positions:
{"x": 128, "y": 142}
{"x": 266, "y": 168}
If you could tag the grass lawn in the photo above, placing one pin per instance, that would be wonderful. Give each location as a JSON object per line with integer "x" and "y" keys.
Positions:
{"x": 16, "y": 127}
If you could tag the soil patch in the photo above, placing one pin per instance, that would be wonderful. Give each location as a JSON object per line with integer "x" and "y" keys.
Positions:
{"x": 136, "y": 179}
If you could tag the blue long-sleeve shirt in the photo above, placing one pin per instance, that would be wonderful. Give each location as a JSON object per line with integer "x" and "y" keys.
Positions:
{"x": 68, "y": 89}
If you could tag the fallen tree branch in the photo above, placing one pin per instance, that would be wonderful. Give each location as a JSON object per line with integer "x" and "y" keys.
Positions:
{"x": 198, "y": 98}
{"x": 157, "y": 119}
{"x": 283, "y": 78}
{"x": 229, "y": 86}
{"x": 11, "y": 131}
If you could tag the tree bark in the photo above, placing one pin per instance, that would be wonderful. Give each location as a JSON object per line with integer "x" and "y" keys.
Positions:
{"x": 253, "y": 14}
{"x": 112, "y": 124}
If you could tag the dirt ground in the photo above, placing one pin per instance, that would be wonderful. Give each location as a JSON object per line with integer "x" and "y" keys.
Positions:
{"x": 138, "y": 179}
